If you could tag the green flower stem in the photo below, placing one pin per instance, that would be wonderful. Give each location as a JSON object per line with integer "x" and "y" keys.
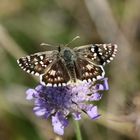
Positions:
{"x": 77, "y": 130}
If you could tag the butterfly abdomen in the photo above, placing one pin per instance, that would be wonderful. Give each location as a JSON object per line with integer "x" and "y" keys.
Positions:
{"x": 71, "y": 71}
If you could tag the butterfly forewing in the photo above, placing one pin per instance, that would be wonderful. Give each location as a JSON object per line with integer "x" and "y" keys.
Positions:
{"x": 57, "y": 75}
{"x": 88, "y": 71}
{"x": 99, "y": 54}
{"x": 37, "y": 63}
{"x": 105, "y": 52}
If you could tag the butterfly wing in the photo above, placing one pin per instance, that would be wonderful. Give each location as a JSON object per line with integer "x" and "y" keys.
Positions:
{"x": 99, "y": 54}
{"x": 56, "y": 75}
{"x": 85, "y": 70}
{"x": 38, "y": 62}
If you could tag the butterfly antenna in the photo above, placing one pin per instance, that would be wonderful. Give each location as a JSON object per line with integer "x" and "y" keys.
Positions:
{"x": 59, "y": 48}
{"x": 48, "y": 45}
{"x": 77, "y": 37}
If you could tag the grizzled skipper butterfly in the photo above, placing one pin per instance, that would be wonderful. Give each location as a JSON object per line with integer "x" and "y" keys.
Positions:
{"x": 65, "y": 65}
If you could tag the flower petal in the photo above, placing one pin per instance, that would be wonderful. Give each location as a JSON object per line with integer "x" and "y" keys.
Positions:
{"x": 76, "y": 115}
{"x": 30, "y": 93}
{"x": 102, "y": 86}
{"x": 95, "y": 97}
{"x": 62, "y": 119}
{"x": 59, "y": 102}
{"x": 92, "y": 112}
{"x": 39, "y": 111}
{"x": 57, "y": 125}
{"x": 106, "y": 86}
{"x": 99, "y": 87}
{"x": 39, "y": 88}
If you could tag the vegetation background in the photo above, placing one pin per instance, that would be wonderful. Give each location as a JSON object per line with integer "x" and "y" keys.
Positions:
{"x": 25, "y": 24}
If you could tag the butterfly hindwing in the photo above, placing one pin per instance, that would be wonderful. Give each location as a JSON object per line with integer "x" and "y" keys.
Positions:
{"x": 99, "y": 54}
{"x": 88, "y": 71}
{"x": 57, "y": 75}
{"x": 36, "y": 63}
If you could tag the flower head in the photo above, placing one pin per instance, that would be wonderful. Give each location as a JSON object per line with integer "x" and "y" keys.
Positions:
{"x": 59, "y": 102}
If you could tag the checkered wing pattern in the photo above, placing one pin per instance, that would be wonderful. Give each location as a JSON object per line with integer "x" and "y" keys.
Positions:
{"x": 57, "y": 75}
{"x": 37, "y": 63}
{"x": 99, "y": 54}
{"x": 87, "y": 71}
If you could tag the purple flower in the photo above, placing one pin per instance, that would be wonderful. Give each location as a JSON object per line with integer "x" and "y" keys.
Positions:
{"x": 59, "y": 102}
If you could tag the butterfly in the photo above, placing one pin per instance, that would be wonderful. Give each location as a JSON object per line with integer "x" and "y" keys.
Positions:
{"x": 65, "y": 65}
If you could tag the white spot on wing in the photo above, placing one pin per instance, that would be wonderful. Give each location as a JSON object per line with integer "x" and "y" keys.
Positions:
{"x": 64, "y": 84}
{"x": 99, "y": 77}
{"x": 84, "y": 81}
{"x": 17, "y": 61}
{"x": 52, "y": 72}
{"x": 86, "y": 74}
{"x": 41, "y": 62}
{"x": 93, "y": 79}
{"x": 28, "y": 71}
{"x": 55, "y": 85}
{"x": 89, "y": 80}
{"x": 36, "y": 63}
{"x": 49, "y": 84}
{"x": 108, "y": 61}
{"x": 95, "y": 54}
{"x": 41, "y": 57}
{"x": 58, "y": 78}
{"x": 37, "y": 74}
{"x": 99, "y": 50}
{"x": 92, "y": 49}
{"x": 59, "y": 84}
{"x": 89, "y": 67}
{"x": 32, "y": 72}
{"x": 115, "y": 46}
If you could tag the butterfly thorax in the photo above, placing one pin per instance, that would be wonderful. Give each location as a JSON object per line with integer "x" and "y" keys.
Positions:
{"x": 69, "y": 58}
{"x": 68, "y": 55}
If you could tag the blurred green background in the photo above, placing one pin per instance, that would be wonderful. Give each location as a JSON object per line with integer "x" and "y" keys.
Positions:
{"x": 25, "y": 24}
